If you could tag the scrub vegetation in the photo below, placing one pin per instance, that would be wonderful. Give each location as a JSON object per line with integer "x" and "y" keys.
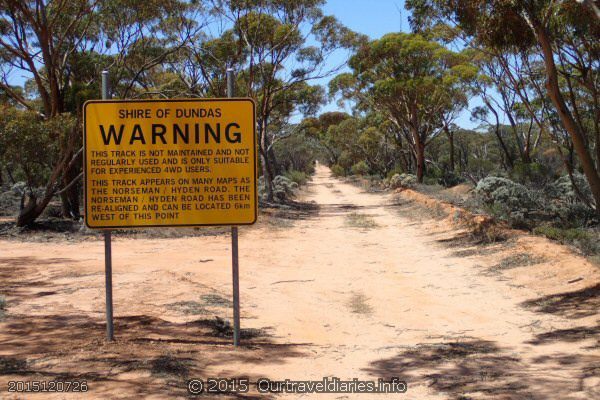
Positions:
{"x": 533, "y": 69}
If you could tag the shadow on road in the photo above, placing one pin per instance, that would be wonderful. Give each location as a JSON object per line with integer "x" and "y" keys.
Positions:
{"x": 577, "y": 304}
{"x": 150, "y": 355}
{"x": 474, "y": 368}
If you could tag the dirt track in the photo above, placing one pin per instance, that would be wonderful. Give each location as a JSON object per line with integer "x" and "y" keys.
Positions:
{"x": 362, "y": 288}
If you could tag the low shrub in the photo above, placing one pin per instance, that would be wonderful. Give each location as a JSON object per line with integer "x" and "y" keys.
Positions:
{"x": 337, "y": 170}
{"x": 360, "y": 168}
{"x": 403, "y": 180}
{"x": 563, "y": 191}
{"x": 587, "y": 241}
{"x": 430, "y": 180}
{"x": 395, "y": 171}
{"x": 503, "y": 191}
{"x": 533, "y": 174}
{"x": 297, "y": 176}
{"x": 395, "y": 182}
{"x": 450, "y": 179}
{"x": 507, "y": 200}
{"x": 283, "y": 188}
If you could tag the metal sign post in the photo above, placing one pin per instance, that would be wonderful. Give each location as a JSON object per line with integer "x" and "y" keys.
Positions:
{"x": 235, "y": 271}
{"x": 108, "y": 246}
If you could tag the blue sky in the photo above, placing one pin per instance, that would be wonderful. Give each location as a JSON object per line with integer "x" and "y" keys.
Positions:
{"x": 375, "y": 18}
{"x": 371, "y": 17}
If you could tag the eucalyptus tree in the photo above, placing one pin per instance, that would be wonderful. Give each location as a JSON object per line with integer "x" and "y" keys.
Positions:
{"x": 417, "y": 83}
{"x": 142, "y": 37}
{"x": 37, "y": 38}
{"x": 318, "y": 128}
{"x": 504, "y": 88}
{"x": 563, "y": 35}
{"x": 61, "y": 46}
{"x": 279, "y": 46}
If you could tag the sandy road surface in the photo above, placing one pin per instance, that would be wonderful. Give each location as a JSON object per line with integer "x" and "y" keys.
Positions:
{"x": 361, "y": 289}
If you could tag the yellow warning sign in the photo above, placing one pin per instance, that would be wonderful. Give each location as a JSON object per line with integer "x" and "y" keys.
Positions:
{"x": 170, "y": 163}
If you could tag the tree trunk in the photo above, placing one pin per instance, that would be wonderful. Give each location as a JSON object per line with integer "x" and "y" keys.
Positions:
{"x": 420, "y": 161}
{"x": 569, "y": 167}
{"x": 574, "y": 130}
{"x": 70, "y": 197}
{"x": 507, "y": 156}
{"x": 274, "y": 167}
{"x": 450, "y": 135}
{"x": 264, "y": 157}
{"x": 598, "y": 145}
{"x": 10, "y": 175}
{"x": 31, "y": 209}
{"x": 405, "y": 163}
{"x": 266, "y": 176}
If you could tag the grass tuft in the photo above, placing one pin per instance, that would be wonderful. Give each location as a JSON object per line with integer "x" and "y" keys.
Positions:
{"x": 215, "y": 300}
{"x": 188, "y": 307}
{"x": 2, "y": 306}
{"x": 357, "y": 220}
{"x": 516, "y": 261}
{"x": 358, "y": 304}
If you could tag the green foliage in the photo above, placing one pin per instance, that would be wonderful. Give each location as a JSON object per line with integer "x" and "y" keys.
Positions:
{"x": 299, "y": 177}
{"x": 430, "y": 180}
{"x": 416, "y": 84}
{"x": 2, "y": 313}
{"x": 571, "y": 207}
{"x": 266, "y": 31}
{"x": 542, "y": 58}
{"x": 573, "y": 214}
{"x": 278, "y": 46}
{"x": 283, "y": 188}
{"x": 318, "y": 130}
{"x": 494, "y": 190}
{"x": 397, "y": 170}
{"x": 403, "y": 180}
{"x": 588, "y": 241}
{"x": 450, "y": 179}
{"x": 352, "y": 142}
{"x": 338, "y": 170}
{"x": 297, "y": 152}
{"x": 30, "y": 146}
{"x": 360, "y": 168}
{"x": 556, "y": 206}
{"x": 506, "y": 199}
{"x": 533, "y": 174}
{"x": 562, "y": 189}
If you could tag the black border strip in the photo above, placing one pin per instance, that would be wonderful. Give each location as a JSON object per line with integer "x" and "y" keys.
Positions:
{"x": 226, "y": 99}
